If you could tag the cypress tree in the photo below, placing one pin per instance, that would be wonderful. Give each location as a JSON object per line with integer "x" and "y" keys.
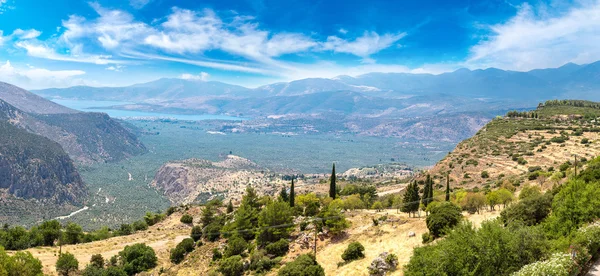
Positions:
{"x": 283, "y": 194}
{"x": 415, "y": 198}
{"x": 292, "y": 194}
{"x": 332, "y": 192}
{"x": 431, "y": 191}
{"x": 425, "y": 199}
{"x": 448, "y": 187}
{"x": 229, "y": 207}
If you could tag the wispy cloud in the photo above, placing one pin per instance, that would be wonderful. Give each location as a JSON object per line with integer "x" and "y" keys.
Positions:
{"x": 138, "y": 4}
{"x": 365, "y": 46}
{"x": 535, "y": 38}
{"x": 35, "y": 78}
{"x": 42, "y": 51}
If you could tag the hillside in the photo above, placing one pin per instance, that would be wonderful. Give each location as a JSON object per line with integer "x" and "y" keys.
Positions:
{"x": 86, "y": 137}
{"x": 514, "y": 150}
{"x": 35, "y": 167}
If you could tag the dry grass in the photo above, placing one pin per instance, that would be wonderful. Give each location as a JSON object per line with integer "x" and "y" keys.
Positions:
{"x": 161, "y": 237}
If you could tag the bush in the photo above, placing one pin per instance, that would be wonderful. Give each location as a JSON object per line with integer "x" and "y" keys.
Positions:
{"x": 231, "y": 266}
{"x": 125, "y": 230}
{"x": 66, "y": 264}
{"x": 558, "y": 264}
{"x": 212, "y": 232}
{"x": 235, "y": 246}
{"x": 217, "y": 255}
{"x": 140, "y": 225}
{"x": 443, "y": 216}
{"x": 354, "y": 251}
{"x": 585, "y": 141}
{"x": 492, "y": 250}
{"x": 97, "y": 260}
{"x": 137, "y": 258}
{"x": 485, "y": 174}
{"x": 427, "y": 238}
{"x": 196, "y": 233}
{"x": 279, "y": 248}
{"x": 530, "y": 211}
{"x": 20, "y": 264}
{"x": 177, "y": 255}
{"x": 187, "y": 244}
{"x": 187, "y": 219}
{"x": 303, "y": 265}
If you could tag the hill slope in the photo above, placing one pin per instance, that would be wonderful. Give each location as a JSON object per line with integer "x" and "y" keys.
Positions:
{"x": 517, "y": 150}
{"x": 86, "y": 137}
{"x": 35, "y": 167}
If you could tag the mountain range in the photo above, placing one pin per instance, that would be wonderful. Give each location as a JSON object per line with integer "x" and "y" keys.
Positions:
{"x": 533, "y": 86}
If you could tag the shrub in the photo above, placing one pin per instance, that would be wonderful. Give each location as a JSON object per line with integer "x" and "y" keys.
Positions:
{"x": 140, "y": 225}
{"x": 66, "y": 264}
{"x": 485, "y": 174}
{"x": 217, "y": 255}
{"x": 559, "y": 139}
{"x": 427, "y": 238}
{"x": 177, "y": 254}
{"x": 585, "y": 141}
{"x": 231, "y": 266}
{"x": 531, "y": 210}
{"x": 443, "y": 216}
{"x": 125, "y": 230}
{"x": 137, "y": 258}
{"x": 279, "y": 248}
{"x": 303, "y": 265}
{"x": 187, "y": 219}
{"x": 558, "y": 264}
{"x": 196, "y": 233}
{"x": 235, "y": 246}
{"x": 212, "y": 232}
{"x": 97, "y": 260}
{"x": 20, "y": 264}
{"x": 354, "y": 251}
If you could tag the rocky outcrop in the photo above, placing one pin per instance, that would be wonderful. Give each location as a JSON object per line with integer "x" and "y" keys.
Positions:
{"x": 34, "y": 167}
{"x": 186, "y": 181}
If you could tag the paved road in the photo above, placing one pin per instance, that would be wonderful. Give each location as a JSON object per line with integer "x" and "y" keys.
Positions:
{"x": 595, "y": 269}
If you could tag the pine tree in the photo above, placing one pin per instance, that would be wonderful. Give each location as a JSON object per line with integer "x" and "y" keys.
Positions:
{"x": 292, "y": 194}
{"x": 448, "y": 187}
{"x": 332, "y": 192}
{"x": 405, "y": 207}
{"x": 229, "y": 207}
{"x": 430, "y": 195}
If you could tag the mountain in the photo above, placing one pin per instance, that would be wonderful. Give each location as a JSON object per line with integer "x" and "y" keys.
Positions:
{"x": 86, "y": 137}
{"x": 33, "y": 166}
{"x": 309, "y": 86}
{"x": 159, "y": 90}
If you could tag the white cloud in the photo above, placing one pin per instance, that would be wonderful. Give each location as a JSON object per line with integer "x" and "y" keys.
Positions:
{"x": 36, "y": 78}
{"x": 138, "y": 4}
{"x": 343, "y": 31}
{"x": 26, "y": 34}
{"x": 536, "y": 39}
{"x": 203, "y": 76}
{"x": 42, "y": 51}
{"x": 364, "y": 46}
{"x": 116, "y": 68}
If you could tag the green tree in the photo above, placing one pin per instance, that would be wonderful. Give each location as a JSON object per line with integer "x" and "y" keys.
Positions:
{"x": 292, "y": 194}
{"x": 443, "y": 216}
{"x": 377, "y": 206}
{"x": 73, "y": 233}
{"x": 229, "y": 207}
{"x": 303, "y": 265}
{"x": 505, "y": 196}
{"x": 66, "y": 264}
{"x": 207, "y": 216}
{"x": 235, "y": 246}
{"x": 279, "y": 248}
{"x": 20, "y": 264}
{"x": 492, "y": 199}
{"x": 530, "y": 211}
{"x": 283, "y": 195}
{"x": 448, "y": 187}
{"x": 411, "y": 199}
{"x": 137, "y": 258}
{"x": 332, "y": 192}
{"x": 187, "y": 219}
{"x": 332, "y": 217}
{"x": 140, "y": 225}
{"x": 529, "y": 191}
{"x": 274, "y": 214}
{"x": 50, "y": 231}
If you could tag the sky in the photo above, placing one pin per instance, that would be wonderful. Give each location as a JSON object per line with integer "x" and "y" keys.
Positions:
{"x": 64, "y": 43}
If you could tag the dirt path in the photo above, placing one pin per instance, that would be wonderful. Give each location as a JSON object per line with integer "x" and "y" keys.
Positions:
{"x": 595, "y": 269}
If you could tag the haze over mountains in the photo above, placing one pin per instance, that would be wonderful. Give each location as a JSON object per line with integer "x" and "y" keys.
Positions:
{"x": 535, "y": 85}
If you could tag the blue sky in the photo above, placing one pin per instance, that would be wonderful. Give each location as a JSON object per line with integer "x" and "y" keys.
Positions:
{"x": 63, "y": 43}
